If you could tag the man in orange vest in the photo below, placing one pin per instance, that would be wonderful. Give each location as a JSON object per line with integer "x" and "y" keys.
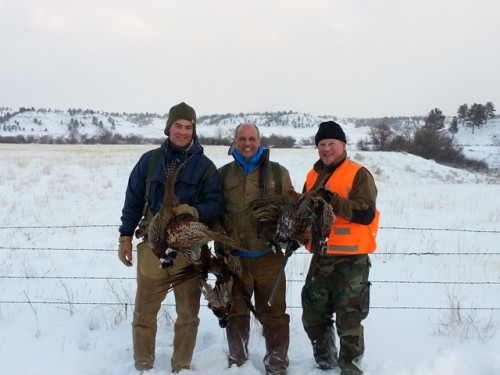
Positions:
{"x": 337, "y": 280}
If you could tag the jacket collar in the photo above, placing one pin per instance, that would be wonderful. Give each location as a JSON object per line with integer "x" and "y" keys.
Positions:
{"x": 248, "y": 165}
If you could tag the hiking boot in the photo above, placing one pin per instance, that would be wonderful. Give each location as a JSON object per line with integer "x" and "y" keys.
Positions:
{"x": 143, "y": 366}
{"x": 351, "y": 367}
{"x": 323, "y": 365}
{"x": 279, "y": 372}
{"x": 325, "y": 355}
{"x": 354, "y": 370}
{"x": 175, "y": 370}
{"x": 238, "y": 363}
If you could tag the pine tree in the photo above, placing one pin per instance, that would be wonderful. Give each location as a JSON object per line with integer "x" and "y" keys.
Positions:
{"x": 435, "y": 119}
{"x": 476, "y": 115}
{"x": 489, "y": 111}
{"x": 462, "y": 113}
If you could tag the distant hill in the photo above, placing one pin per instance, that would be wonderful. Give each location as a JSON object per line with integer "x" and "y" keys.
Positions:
{"x": 483, "y": 144}
{"x": 57, "y": 123}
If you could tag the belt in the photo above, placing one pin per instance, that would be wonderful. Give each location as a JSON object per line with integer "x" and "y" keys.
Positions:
{"x": 253, "y": 254}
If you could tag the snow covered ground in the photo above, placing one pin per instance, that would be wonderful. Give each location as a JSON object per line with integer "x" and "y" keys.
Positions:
{"x": 65, "y": 299}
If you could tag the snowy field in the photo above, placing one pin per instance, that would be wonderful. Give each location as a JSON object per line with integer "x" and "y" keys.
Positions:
{"x": 66, "y": 301}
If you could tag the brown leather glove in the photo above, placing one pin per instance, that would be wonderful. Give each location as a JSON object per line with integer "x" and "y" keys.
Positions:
{"x": 186, "y": 209}
{"x": 125, "y": 250}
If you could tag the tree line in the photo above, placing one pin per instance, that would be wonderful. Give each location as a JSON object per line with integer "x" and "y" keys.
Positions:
{"x": 431, "y": 141}
{"x": 473, "y": 116}
{"x": 425, "y": 136}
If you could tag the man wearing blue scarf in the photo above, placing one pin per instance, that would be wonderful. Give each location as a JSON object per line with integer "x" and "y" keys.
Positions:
{"x": 241, "y": 181}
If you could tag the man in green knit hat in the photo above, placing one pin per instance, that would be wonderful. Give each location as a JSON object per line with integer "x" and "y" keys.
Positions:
{"x": 198, "y": 189}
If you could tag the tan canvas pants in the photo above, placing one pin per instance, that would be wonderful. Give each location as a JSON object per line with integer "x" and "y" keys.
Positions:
{"x": 259, "y": 275}
{"x": 152, "y": 286}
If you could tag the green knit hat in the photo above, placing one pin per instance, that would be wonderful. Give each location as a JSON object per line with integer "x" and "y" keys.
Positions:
{"x": 181, "y": 111}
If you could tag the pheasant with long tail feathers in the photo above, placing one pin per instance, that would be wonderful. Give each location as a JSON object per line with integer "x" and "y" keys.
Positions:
{"x": 169, "y": 235}
{"x": 298, "y": 217}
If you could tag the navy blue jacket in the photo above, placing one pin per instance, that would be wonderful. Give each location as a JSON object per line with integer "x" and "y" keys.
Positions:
{"x": 192, "y": 187}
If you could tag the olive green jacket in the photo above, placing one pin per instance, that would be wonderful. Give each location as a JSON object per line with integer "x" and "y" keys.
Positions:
{"x": 239, "y": 190}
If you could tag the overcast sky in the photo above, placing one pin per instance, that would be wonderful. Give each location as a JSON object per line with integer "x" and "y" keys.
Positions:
{"x": 346, "y": 58}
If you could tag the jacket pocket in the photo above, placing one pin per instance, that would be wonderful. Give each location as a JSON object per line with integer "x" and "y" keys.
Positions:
{"x": 364, "y": 301}
{"x": 148, "y": 263}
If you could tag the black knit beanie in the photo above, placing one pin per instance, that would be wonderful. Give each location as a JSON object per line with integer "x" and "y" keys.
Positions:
{"x": 181, "y": 111}
{"x": 329, "y": 130}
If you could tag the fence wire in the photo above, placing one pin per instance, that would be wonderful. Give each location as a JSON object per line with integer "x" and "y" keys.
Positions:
{"x": 125, "y": 305}
{"x": 381, "y": 227}
{"x": 427, "y": 253}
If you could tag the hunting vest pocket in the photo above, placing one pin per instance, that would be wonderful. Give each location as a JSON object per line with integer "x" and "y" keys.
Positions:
{"x": 231, "y": 183}
{"x": 148, "y": 263}
{"x": 271, "y": 187}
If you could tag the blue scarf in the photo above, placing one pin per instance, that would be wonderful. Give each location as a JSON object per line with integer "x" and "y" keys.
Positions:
{"x": 248, "y": 165}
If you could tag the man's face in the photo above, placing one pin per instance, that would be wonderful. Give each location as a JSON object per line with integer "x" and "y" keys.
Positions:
{"x": 181, "y": 133}
{"x": 247, "y": 141}
{"x": 330, "y": 150}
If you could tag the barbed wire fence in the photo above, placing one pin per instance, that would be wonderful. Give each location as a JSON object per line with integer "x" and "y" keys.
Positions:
{"x": 374, "y": 282}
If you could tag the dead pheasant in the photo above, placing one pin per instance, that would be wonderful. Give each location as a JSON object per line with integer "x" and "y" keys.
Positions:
{"x": 169, "y": 234}
{"x": 158, "y": 225}
{"x": 297, "y": 217}
{"x": 186, "y": 236}
{"x": 228, "y": 283}
{"x": 310, "y": 214}
{"x": 220, "y": 297}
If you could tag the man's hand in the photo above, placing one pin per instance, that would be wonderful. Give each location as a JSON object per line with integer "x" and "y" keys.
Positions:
{"x": 125, "y": 250}
{"x": 186, "y": 209}
{"x": 327, "y": 195}
{"x": 266, "y": 212}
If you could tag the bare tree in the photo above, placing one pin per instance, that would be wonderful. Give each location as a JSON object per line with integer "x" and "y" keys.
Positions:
{"x": 453, "y": 127}
{"x": 380, "y": 136}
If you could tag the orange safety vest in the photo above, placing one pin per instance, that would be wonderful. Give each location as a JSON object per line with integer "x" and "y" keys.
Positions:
{"x": 346, "y": 238}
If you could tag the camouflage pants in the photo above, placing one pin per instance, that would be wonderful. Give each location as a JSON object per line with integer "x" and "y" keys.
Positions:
{"x": 153, "y": 284}
{"x": 336, "y": 285}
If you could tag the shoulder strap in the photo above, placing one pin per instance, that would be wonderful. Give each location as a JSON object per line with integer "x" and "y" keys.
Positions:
{"x": 275, "y": 167}
{"x": 211, "y": 170}
{"x": 151, "y": 167}
{"x": 264, "y": 167}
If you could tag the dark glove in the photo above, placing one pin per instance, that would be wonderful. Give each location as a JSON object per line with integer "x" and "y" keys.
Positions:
{"x": 267, "y": 212}
{"x": 221, "y": 250}
{"x": 327, "y": 195}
